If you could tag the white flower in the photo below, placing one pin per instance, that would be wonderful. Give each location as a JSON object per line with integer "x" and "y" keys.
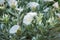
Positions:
{"x": 27, "y": 19}
{"x": 56, "y": 5}
{"x": 14, "y": 29}
{"x": 32, "y": 14}
{"x": 12, "y": 3}
{"x": 46, "y": 10}
{"x": 48, "y": 0}
{"x": 2, "y": 2}
{"x": 32, "y": 5}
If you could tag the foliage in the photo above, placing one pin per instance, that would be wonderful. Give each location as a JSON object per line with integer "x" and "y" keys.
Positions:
{"x": 44, "y": 26}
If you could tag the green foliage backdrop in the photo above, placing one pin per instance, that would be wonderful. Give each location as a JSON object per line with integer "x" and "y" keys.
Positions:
{"x": 29, "y": 20}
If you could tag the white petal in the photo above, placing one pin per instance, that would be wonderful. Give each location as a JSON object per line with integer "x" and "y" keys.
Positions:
{"x": 32, "y": 4}
{"x": 27, "y": 20}
{"x": 32, "y": 14}
{"x": 12, "y": 2}
{"x": 14, "y": 29}
{"x": 56, "y": 5}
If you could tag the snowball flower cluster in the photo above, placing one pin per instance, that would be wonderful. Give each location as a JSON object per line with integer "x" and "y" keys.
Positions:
{"x": 32, "y": 5}
{"x": 14, "y": 29}
{"x": 12, "y": 3}
{"x": 29, "y": 17}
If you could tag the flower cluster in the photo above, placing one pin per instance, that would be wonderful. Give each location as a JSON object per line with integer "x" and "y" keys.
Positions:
{"x": 12, "y": 3}
{"x": 29, "y": 17}
{"x": 32, "y": 5}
